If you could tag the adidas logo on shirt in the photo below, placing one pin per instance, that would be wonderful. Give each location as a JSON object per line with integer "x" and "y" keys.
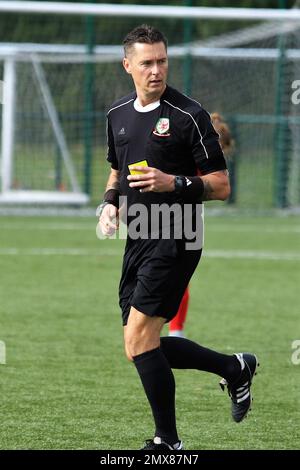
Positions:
{"x": 121, "y": 131}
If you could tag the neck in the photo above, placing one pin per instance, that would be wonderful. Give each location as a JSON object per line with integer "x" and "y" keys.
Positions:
{"x": 144, "y": 99}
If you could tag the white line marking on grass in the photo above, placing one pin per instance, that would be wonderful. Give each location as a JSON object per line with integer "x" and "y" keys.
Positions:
{"x": 46, "y": 227}
{"x": 226, "y": 254}
{"x": 88, "y": 227}
{"x": 58, "y": 252}
{"x": 252, "y": 254}
{"x": 2, "y": 352}
{"x": 252, "y": 228}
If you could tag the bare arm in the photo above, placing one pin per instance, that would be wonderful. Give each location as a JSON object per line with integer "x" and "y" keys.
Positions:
{"x": 109, "y": 220}
{"x": 113, "y": 180}
{"x": 216, "y": 186}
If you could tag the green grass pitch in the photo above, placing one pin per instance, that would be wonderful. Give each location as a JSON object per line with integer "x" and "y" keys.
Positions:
{"x": 66, "y": 383}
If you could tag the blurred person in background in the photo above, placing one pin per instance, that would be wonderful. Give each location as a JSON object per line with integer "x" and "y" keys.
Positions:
{"x": 176, "y": 325}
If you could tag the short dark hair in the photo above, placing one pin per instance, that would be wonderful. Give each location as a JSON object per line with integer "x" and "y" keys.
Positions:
{"x": 143, "y": 34}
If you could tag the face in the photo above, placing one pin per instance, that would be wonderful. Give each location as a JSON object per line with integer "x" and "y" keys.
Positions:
{"x": 148, "y": 66}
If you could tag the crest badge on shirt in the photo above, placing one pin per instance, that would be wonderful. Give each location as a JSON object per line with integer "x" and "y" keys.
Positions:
{"x": 162, "y": 127}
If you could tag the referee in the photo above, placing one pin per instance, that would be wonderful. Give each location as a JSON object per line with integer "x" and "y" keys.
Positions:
{"x": 159, "y": 142}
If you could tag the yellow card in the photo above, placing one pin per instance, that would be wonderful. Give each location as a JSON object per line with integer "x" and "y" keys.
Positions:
{"x": 136, "y": 172}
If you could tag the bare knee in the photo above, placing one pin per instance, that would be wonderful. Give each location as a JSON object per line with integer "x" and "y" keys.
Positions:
{"x": 127, "y": 354}
{"x": 137, "y": 342}
{"x": 141, "y": 334}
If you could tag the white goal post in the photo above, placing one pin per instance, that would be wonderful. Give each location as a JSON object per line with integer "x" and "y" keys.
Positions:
{"x": 9, "y": 195}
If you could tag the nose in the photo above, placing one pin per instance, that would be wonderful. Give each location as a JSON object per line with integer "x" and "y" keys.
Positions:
{"x": 155, "y": 69}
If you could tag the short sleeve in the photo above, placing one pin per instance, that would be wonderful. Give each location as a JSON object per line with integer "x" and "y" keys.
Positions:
{"x": 206, "y": 149}
{"x": 111, "y": 153}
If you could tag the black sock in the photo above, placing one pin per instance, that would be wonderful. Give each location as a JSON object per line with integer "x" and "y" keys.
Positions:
{"x": 159, "y": 384}
{"x": 182, "y": 353}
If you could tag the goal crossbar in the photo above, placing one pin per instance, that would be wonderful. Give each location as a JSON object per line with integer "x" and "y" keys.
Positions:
{"x": 160, "y": 11}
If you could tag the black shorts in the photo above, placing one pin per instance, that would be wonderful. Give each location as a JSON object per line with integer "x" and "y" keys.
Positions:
{"x": 155, "y": 275}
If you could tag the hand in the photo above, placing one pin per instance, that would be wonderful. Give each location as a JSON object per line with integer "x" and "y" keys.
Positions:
{"x": 151, "y": 179}
{"x": 109, "y": 220}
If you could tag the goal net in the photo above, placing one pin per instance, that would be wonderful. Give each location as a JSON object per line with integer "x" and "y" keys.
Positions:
{"x": 61, "y": 69}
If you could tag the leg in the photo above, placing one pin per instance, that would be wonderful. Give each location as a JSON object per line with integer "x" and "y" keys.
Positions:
{"x": 142, "y": 333}
{"x": 142, "y": 345}
{"x": 176, "y": 325}
{"x": 238, "y": 370}
{"x": 182, "y": 353}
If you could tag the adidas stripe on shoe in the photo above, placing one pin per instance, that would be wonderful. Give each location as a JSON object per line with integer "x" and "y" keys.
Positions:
{"x": 240, "y": 389}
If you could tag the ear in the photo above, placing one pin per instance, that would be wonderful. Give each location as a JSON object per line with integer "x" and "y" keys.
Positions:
{"x": 127, "y": 65}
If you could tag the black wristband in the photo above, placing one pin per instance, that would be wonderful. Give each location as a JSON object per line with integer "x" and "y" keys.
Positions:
{"x": 112, "y": 197}
{"x": 189, "y": 188}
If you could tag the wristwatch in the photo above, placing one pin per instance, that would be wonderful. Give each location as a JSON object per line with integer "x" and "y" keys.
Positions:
{"x": 100, "y": 208}
{"x": 179, "y": 184}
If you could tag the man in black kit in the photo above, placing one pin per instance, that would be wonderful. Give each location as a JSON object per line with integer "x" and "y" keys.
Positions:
{"x": 171, "y": 140}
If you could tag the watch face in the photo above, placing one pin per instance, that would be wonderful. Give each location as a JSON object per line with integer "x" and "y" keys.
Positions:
{"x": 178, "y": 184}
{"x": 100, "y": 209}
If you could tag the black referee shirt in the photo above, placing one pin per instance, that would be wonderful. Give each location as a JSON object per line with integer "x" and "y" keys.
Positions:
{"x": 177, "y": 138}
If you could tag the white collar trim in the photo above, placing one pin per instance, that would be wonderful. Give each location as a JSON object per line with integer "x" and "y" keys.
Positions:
{"x": 145, "y": 109}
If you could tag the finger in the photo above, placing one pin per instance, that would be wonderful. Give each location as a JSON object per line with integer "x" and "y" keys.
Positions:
{"x": 104, "y": 227}
{"x": 112, "y": 221}
{"x": 104, "y": 231}
{"x": 107, "y": 231}
{"x": 108, "y": 225}
{"x": 111, "y": 225}
{"x": 141, "y": 184}
{"x": 139, "y": 177}
{"x": 147, "y": 189}
{"x": 108, "y": 218}
{"x": 110, "y": 233}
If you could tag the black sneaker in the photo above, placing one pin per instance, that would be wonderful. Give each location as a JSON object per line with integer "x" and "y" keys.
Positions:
{"x": 239, "y": 390}
{"x": 160, "y": 445}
